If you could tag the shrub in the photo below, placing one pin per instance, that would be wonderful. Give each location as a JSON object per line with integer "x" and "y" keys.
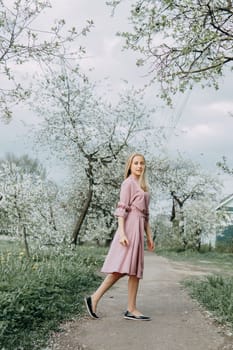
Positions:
{"x": 224, "y": 246}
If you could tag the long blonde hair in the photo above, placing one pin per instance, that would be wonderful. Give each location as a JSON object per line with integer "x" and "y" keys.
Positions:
{"x": 142, "y": 179}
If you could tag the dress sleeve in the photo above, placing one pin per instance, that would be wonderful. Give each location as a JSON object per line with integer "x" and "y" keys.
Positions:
{"x": 147, "y": 215}
{"x": 147, "y": 211}
{"x": 124, "y": 203}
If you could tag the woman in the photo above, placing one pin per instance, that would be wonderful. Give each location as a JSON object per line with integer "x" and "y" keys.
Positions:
{"x": 126, "y": 254}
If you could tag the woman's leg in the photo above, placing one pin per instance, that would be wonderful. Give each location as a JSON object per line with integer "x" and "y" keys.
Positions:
{"x": 133, "y": 284}
{"x": 103, "y": 288}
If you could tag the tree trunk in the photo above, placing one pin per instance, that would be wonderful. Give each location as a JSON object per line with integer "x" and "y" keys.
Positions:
{"x": 25, "y": 242}
{"x": 182, "y": 232}
{"x": 82, "y": 217}
{"x": 52, "y": 218}
{"x": 177, "y": 219}
{"x": 198, "y": 240}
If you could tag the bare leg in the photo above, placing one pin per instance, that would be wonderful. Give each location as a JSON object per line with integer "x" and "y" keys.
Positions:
{"x": 133, "y": 284}
{"x": 107, "y": 283}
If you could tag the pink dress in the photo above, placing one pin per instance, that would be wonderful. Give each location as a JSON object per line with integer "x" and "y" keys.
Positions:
{"x": 134, "y": 207}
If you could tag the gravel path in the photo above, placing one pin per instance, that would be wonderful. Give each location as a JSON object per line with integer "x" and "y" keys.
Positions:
{"x": 178, "y": 323}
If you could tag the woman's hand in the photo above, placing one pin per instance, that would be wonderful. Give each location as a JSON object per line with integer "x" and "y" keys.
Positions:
{"x": 124, "y": 241}
{"x": 150, "y": 244}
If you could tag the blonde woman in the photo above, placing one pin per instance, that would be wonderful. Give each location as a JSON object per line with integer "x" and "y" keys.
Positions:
{"x": 126, "y": 254}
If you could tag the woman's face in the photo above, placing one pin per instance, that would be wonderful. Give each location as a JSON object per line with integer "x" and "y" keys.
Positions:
{"x": 137, "y": 166}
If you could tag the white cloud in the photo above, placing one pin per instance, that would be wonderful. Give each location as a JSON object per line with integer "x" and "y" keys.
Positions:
{"x": 221, "y": 107}
{"x": 200, "y": 130}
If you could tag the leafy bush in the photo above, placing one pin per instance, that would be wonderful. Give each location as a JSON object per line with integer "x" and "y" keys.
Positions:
{"x": 37, "y": 294}
{"x": 224, "y": 246}
{"x": 216, "y": 294}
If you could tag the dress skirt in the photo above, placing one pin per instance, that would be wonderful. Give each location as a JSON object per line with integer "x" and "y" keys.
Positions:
{"x": 129, "y": 259}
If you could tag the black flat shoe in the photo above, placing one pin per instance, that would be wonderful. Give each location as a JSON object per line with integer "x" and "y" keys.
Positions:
{"x": 129, "y": 316}
{"x": 88, "y": 304}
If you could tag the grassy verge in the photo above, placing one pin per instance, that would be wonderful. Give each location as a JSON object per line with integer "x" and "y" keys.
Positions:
{"x": 37, "y": 294}
{"x": 8, "y": 246}
{"x": 214, "y": 292}
{"x": 223, "y": 261}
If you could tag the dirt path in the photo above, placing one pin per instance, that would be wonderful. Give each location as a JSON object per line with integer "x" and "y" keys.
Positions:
{"x": 177, "y": 322}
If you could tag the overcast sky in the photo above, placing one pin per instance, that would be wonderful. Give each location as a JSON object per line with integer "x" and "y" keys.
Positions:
{"x": 201, "y": 125}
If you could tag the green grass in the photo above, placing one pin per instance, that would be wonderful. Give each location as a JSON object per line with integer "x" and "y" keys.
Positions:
{"x": 215, "y": 293}
{"x": 37, "y": 294}
{"x": 7, "y": 245}
{"x": 212, "y": 259}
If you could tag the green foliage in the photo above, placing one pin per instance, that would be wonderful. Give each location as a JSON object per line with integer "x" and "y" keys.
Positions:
{"x": 216, "y": 294}
{"x": 224, "y": 247}
{"x": 37, "y": 294}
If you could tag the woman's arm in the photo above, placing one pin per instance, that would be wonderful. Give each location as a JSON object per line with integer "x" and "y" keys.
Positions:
{"x": 121, "y": 225}
{"x": 150, "y": 242}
